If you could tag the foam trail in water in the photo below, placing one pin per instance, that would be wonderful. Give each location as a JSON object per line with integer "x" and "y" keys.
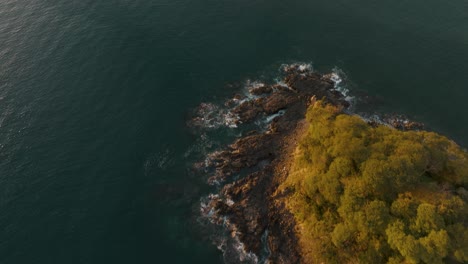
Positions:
{"x": 337, "y": 77}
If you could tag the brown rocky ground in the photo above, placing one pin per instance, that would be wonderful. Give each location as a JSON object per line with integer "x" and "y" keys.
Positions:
{"x": 251, "y": 203}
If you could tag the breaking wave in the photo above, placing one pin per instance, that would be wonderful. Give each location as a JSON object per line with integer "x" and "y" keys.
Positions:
{"x": 338, "y": 77}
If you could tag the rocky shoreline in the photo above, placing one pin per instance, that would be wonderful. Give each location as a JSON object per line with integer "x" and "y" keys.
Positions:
{"x": 250, "y": 207}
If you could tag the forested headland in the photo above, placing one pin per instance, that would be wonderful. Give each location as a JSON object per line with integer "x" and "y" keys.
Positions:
{"x": 364, "y": 193}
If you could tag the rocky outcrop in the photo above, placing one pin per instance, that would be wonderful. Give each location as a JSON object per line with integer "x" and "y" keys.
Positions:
{"x": 251, "y": 203}
{"x": 402, "y": 123}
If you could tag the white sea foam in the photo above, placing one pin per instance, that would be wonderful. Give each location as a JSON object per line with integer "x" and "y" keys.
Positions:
{"x": 233, "y": 249}
{"x": 230, "y": 120}
{"x": 214, "y": 181}
{"x": 244, "y": 256}
{"x": 213, "y": 116}
{"x": 206, "y": 210}
{"x": 264, "y": 123}
{"x": 337, "y": 77}
{"x": 305, "y": 67}
{"x": 271, "y": 117}
{"x": 248, "y": 87}
{"x": 299, "y": 66}
{"x": 254, "y": 84}
{"x": 373, "y": 118}
{"x": 281, "y": 83}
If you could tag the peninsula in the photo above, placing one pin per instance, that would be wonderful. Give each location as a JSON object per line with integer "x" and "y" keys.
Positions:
{"x": 322, "y": 185}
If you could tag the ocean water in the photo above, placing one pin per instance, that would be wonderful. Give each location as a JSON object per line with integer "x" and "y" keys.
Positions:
{"x": 95, "y": 96}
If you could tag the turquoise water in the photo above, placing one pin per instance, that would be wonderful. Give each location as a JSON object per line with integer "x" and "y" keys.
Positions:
{"x": 95, "y": 152}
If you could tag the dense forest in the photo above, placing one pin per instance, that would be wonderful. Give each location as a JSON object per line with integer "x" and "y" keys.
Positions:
{"x": 374, "y": 194}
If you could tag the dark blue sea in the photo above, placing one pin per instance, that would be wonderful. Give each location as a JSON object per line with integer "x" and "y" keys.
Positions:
{"x": 95, "y": 151}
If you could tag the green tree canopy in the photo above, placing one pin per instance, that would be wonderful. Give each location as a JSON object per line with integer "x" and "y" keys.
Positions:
{"x": 364, "y": 194}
